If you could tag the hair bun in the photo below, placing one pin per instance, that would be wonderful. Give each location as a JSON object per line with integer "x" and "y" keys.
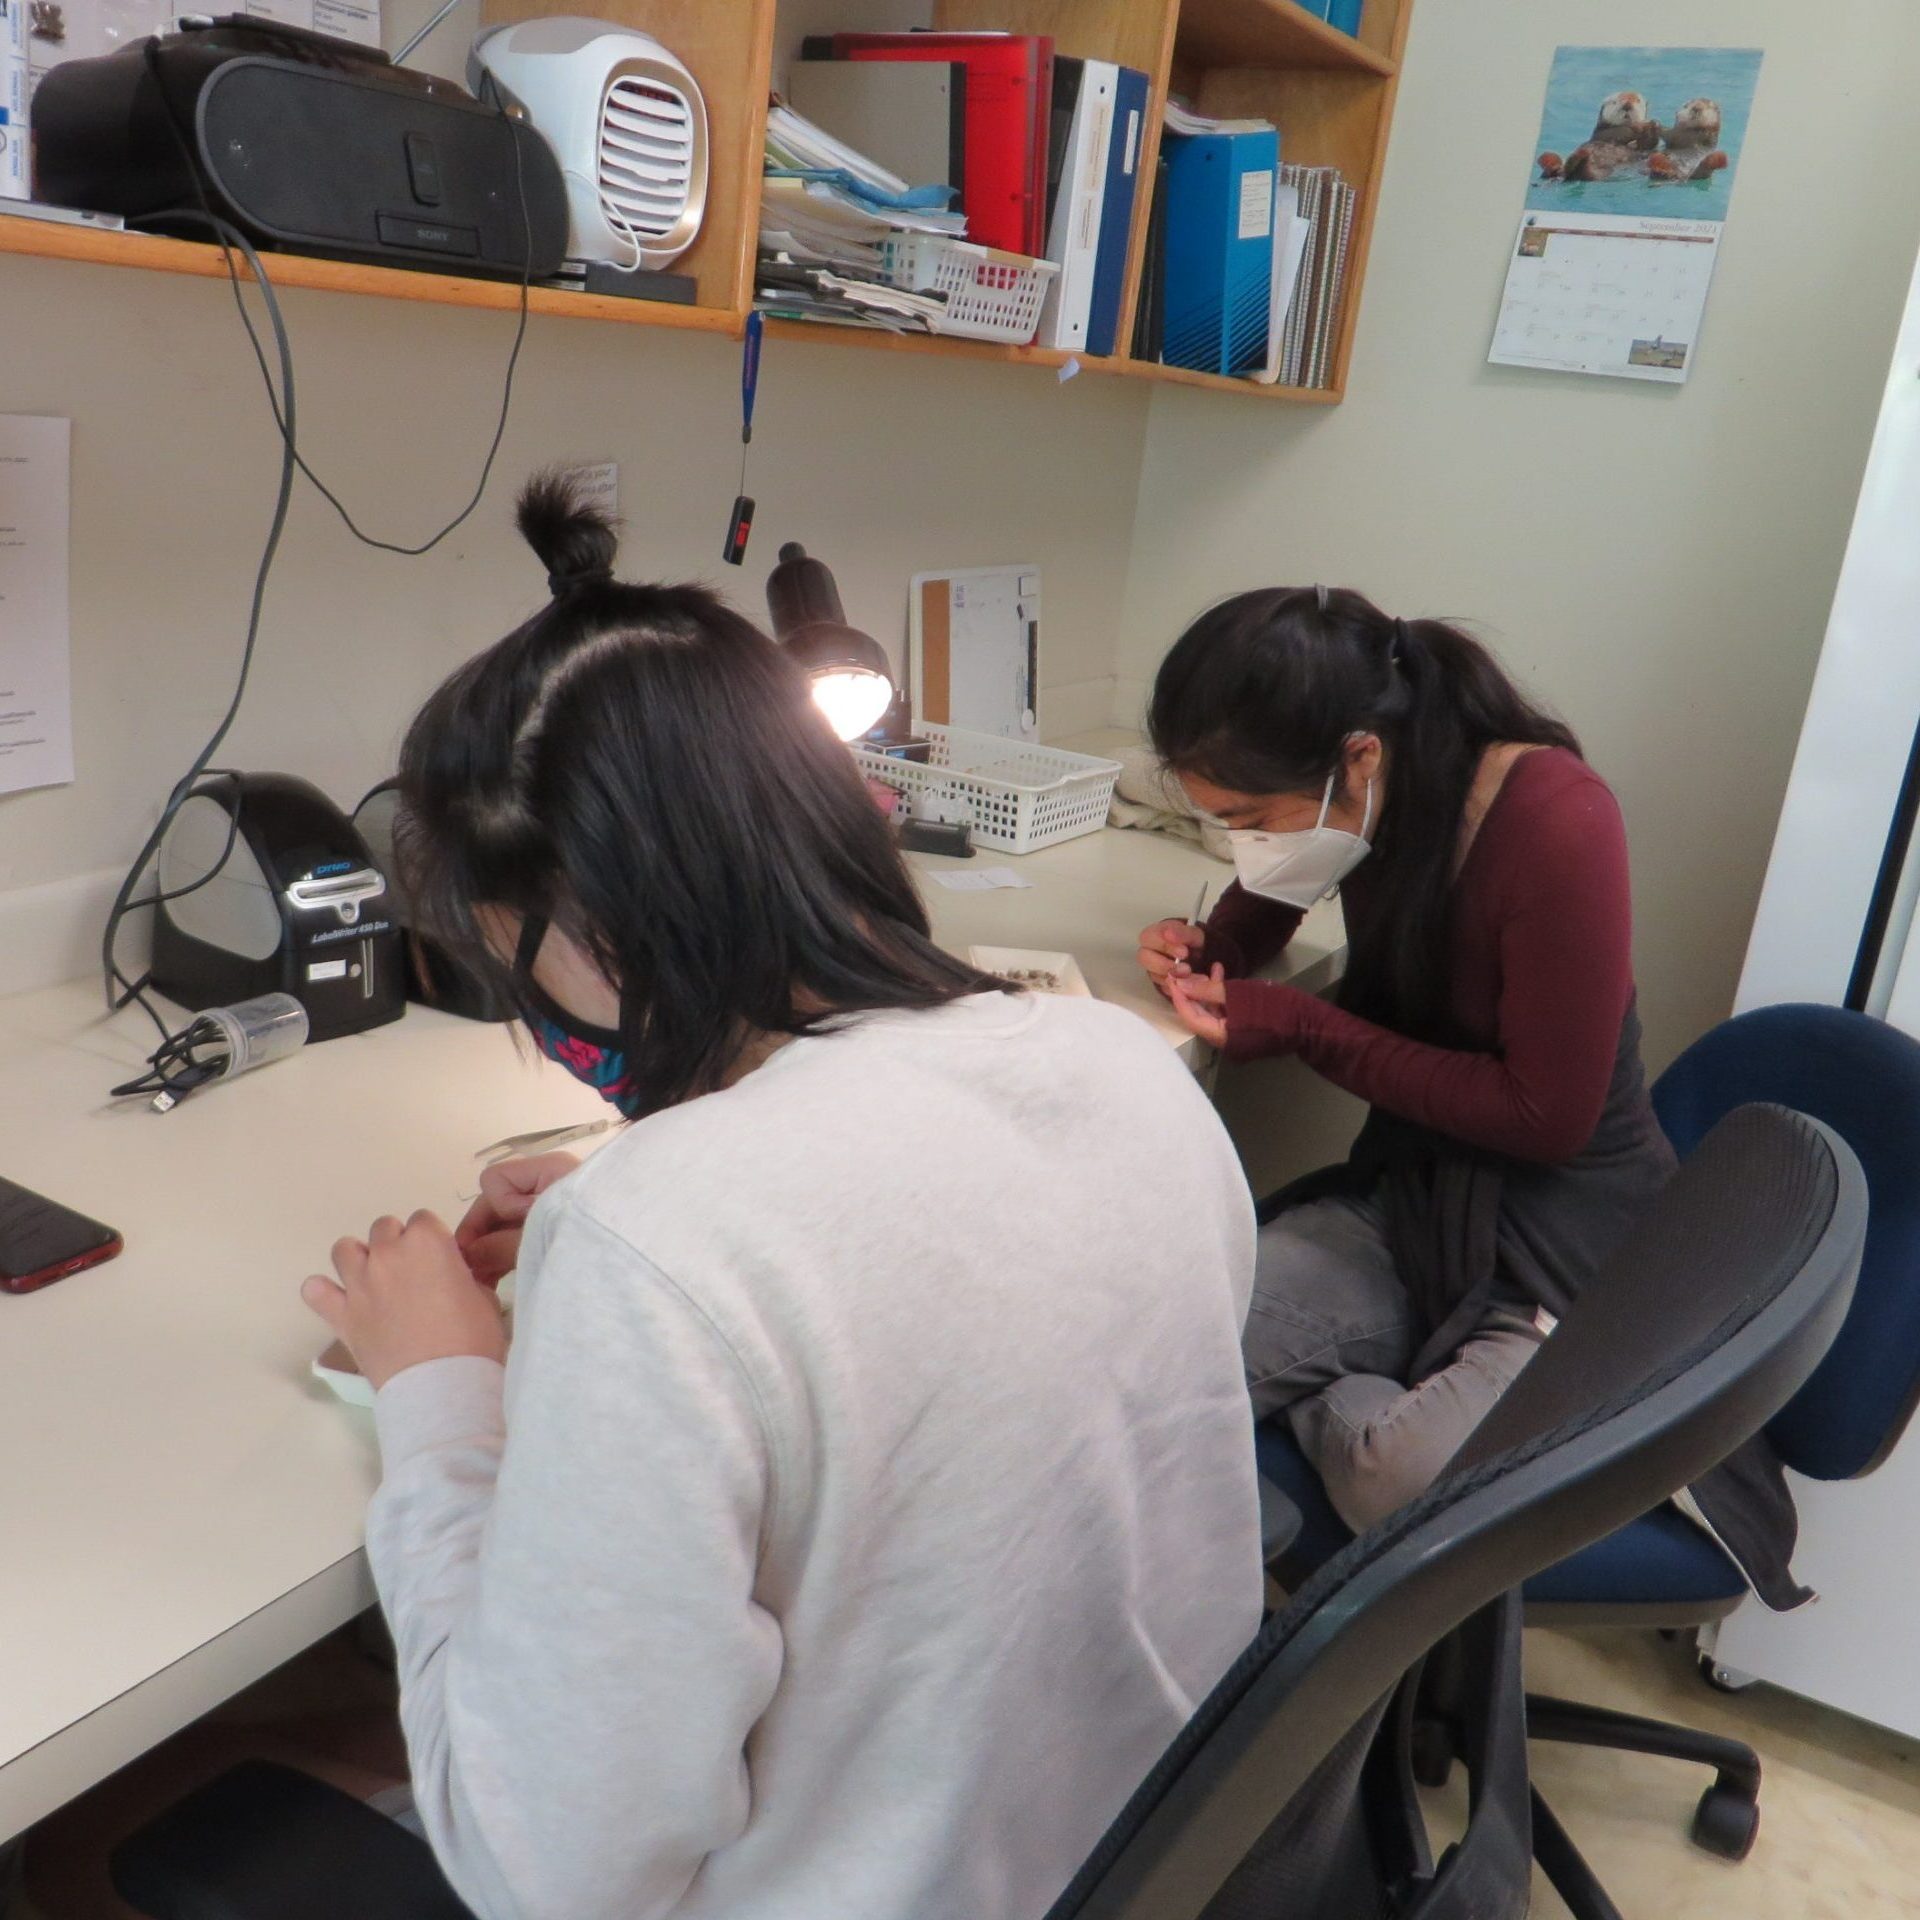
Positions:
{"x": 573, "y": 538}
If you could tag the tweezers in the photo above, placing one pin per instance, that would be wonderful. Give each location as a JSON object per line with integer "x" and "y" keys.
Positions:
{"x": 516, "y": 1143}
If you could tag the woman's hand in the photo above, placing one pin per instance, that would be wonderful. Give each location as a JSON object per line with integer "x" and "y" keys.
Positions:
{"x": 489, "y": 1236}
{"x": 1200, "y": 999}
{"x": 1170, "y": 950}
{"x": 404, "y": 1296}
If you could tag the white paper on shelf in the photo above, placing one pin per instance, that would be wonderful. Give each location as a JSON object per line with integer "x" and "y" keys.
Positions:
{"x": 812, "y": 203}
{"x": 816, "y": 250}
{"x": 1181, "y": 118}
{"x": 1290, "y": 235}
{"x": 884, "y": 299}
{"x": 36, "y": 723}
{"x": 836, "y": 206}
{"x": 798, "y": 142}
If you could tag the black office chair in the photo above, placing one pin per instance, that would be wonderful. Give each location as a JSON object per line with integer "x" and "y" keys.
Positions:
{"x": 1289, "y": 1796}
{"x": 1703, "y": 1326}
{"x": 1861, "y": 1078}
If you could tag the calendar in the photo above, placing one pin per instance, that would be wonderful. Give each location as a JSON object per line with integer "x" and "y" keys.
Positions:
{"x": 1627, "y": 198}
{"x": 1606, "y": 295}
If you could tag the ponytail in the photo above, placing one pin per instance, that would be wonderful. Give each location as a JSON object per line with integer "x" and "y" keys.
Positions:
{"x": 1261, "y": 695}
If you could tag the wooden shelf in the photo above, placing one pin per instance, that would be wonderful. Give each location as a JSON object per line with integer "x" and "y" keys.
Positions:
{"x": 50, "y": 240}
{"x": 1271, "y": 33}
{"x": 1332, "y": 96}
{"x": 1222, "y": 382}
{"x": 934, "y": 346}
{"x": 927, "y": 345}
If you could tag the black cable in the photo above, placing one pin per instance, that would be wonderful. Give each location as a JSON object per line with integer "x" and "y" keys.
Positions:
{"x": 506, "y": 390}
{"x": 136, "y": 990}
{"x": 175, "y": 1067}
{"x": 489, "y": 94}
{"x": 213, "y": 873}
{"x": 135, "y": 994}
{"x": 283, "y": 498}
{"x": 120, "y": 990}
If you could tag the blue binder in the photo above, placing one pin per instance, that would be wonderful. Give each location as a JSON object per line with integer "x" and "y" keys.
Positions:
{"x": 1219, "y": 266}
{"x": 1116, "y": 209}
{"x": 1345, "y": 14}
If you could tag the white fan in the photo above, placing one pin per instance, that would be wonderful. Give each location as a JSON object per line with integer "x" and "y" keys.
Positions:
{"x": 627, "y": 122}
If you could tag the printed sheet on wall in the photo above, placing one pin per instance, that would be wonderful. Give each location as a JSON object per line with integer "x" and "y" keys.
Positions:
{"x": 1630, "y": 185}
{"x": 36, "y": 727}
{"x": 973, "y": 650}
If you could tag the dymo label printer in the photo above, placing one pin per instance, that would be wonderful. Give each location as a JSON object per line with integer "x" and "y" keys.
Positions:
{"x": 267, "y": 887}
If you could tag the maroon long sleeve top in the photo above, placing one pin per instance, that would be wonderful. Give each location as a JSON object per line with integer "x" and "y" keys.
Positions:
{"x": 1542, "y": 976}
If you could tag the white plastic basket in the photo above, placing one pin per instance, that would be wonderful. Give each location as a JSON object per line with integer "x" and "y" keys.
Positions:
{"x": 990, "y": 295}
{"x": 1017, "y": 797}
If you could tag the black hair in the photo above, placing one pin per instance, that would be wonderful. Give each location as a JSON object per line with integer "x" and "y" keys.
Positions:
{"x": 1261, "y": 695}
{"x": 645, "y": 767}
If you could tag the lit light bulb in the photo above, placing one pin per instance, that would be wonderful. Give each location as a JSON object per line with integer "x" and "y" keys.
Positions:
{"x": 853, "y": 700}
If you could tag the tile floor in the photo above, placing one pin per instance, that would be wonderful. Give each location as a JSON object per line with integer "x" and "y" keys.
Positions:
{"x": 1840, "y": 1801}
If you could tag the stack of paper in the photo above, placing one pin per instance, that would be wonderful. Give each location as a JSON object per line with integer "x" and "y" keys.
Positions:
{"x": 825, "y": 209}
{"x": 1325, "y": 207}
{"x": 1181, "y": 118}
{"x": 1291, "y": 234}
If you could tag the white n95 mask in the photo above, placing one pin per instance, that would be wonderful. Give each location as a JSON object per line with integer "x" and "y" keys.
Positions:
{"x": 1300, "y": 869}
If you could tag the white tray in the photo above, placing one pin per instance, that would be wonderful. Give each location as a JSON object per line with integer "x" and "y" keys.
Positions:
{"x": 1006, "y": 961}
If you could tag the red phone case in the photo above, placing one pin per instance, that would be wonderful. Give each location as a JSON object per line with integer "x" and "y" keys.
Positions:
{"x": 61, "y": 1269}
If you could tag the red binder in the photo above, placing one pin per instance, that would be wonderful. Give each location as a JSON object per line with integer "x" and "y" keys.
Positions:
{"x": 1009, "y": 98}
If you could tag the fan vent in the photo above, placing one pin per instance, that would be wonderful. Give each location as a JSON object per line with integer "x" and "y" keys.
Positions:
{"x": 646, "y": 160}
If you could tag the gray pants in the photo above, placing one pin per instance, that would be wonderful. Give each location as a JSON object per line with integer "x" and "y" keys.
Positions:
{"x": 1329, "y": 1341}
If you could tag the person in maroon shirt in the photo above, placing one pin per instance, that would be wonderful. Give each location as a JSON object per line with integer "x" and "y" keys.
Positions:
{"x": 1487, "y": 1013}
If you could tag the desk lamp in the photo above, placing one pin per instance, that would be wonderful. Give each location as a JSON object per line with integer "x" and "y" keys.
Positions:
{"x": 852, "y": 682}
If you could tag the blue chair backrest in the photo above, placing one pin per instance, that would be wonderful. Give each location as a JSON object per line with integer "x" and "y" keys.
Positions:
{"x": 1860, "y": 1077}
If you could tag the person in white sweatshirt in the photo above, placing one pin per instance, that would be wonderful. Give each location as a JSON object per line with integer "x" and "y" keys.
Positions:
{"x": 868, "y": 1497}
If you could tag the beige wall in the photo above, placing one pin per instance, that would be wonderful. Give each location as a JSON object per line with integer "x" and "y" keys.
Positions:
{"x": 1657, "y": 561}
{"x": 880, "y": 465}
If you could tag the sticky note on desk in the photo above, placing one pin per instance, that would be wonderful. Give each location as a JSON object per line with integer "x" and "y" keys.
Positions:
{"x": 986, "y": 880}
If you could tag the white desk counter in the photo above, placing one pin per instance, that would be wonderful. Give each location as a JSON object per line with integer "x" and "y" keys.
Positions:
{"x": 181, "y": 1505}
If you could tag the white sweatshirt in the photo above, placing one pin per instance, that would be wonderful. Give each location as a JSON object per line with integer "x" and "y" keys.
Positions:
{"x": 869, "y": 1498}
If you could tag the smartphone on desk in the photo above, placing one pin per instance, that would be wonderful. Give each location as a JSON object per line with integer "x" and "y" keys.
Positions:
{"x": 42, "y": 1241}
